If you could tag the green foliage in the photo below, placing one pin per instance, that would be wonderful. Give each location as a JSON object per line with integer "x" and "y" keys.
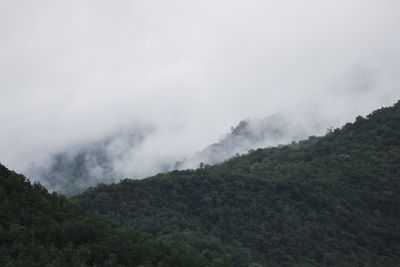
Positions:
{"x": 42, "y": 229}
{"x": 332, "y": 200}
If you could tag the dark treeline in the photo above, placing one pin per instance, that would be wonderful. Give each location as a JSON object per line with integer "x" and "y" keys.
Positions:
{"x": 331, "y": 200}
{"x": 42, "y": 229}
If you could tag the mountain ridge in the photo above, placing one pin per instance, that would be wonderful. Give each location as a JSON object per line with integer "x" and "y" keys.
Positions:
{"x": 330, "y": 200}
{"x": 72, "y": 170}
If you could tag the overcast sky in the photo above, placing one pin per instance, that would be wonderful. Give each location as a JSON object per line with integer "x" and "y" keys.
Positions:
{"x": 72, "y": 72}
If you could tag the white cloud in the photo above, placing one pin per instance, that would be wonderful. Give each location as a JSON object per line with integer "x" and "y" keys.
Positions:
{"x": 76, "y": 71}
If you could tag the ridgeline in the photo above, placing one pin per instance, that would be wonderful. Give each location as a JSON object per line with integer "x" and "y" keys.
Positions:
{"x": 331, "y": 200}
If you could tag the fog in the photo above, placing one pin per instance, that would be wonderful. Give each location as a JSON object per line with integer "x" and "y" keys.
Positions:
{"x": 73, "y": 73}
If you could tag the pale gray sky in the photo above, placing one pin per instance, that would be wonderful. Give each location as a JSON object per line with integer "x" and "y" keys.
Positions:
{"x": 76, "y": 71}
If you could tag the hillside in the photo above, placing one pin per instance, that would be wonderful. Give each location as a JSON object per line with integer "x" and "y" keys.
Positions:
{"x": 252, "y": 133}
{"x": 331, "y": 200}
{"x": 42, "y": 229}
{"x": 71, "y": 170}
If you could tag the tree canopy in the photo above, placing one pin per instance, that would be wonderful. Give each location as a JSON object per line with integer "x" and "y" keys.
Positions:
{"x": 42, "y": 229}
{"x": 331, "y": 200}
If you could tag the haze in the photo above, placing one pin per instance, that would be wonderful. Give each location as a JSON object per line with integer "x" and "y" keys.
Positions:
{"x": 75, "y": 72}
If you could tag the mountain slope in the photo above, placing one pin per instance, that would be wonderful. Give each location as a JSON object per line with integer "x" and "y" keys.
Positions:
{"x": 74, "y": 169}
{"x": 332, "y": 200}
{"x": 250, "y": 134}
{"x": 42, "y": 229}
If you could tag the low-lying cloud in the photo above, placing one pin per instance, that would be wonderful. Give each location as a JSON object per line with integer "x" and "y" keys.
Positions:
{"x": 74, "y": 73}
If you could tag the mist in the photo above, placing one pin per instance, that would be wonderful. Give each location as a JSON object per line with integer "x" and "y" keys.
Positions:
{"x": 181, "y": 74}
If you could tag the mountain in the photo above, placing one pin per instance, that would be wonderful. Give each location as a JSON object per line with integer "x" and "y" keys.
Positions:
{"x": 73, "y": 170}
{"x": 325, "y": 201}
{"x": 250, "y": 134}
{"x": 42, "y": 229}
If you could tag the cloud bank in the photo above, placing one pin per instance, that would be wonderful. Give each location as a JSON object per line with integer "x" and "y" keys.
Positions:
{"x": 75, "y": 72}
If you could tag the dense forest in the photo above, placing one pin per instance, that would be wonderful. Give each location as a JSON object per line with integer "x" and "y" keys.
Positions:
{"x": 331, "y": 200}
{"x": 42, "y": 229}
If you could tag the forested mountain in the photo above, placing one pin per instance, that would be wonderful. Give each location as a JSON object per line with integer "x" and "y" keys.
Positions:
{"x": 249, "y": 134}
{"x": 71, "y": 171}
{"x": 331, "y": 200}
{"x": 42, "y": 229}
